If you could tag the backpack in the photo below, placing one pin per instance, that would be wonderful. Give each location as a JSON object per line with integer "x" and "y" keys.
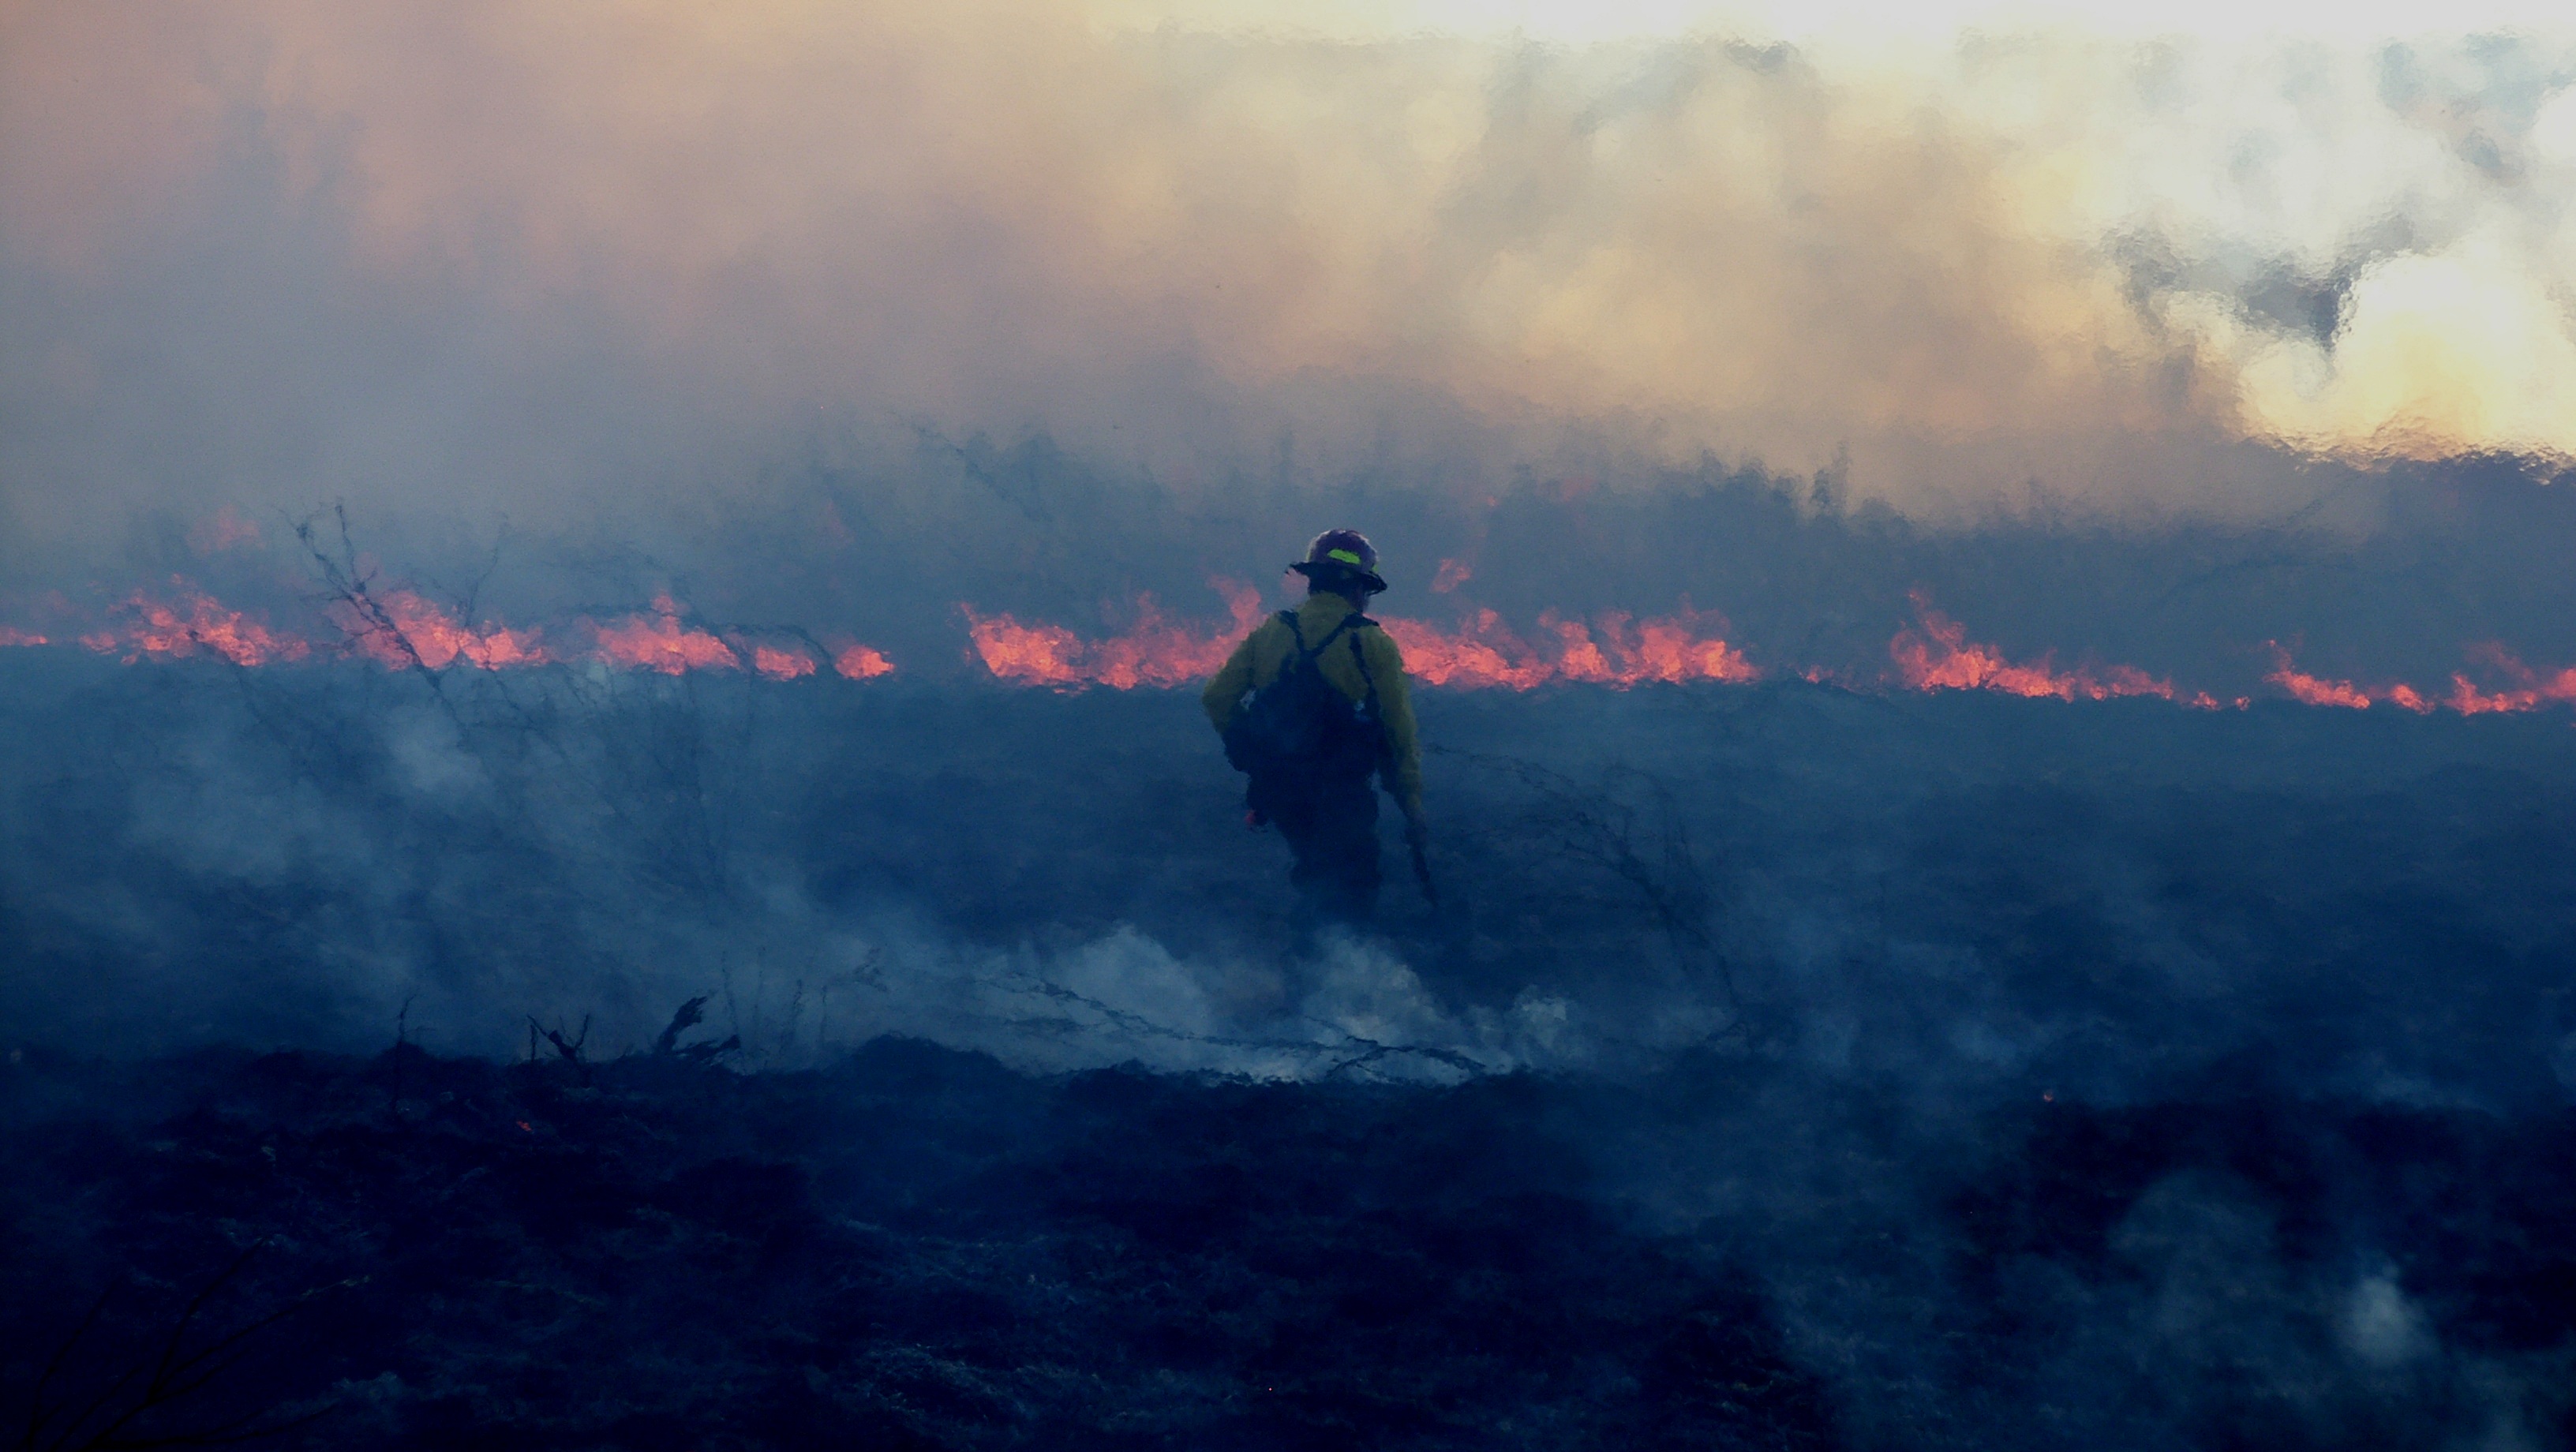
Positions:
{"x": 1299, "y": 731}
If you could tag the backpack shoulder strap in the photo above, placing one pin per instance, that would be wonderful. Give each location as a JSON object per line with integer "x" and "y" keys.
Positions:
{"x": 1368, "y": 678}
{"x": 1329, "y": 637}
{"x": 1304, "y": 655}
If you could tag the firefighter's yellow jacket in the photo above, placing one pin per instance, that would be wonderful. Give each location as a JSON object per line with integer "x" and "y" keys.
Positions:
{"x": 1257, "y": 661}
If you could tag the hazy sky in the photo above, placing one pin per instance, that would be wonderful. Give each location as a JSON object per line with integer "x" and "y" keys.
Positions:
{"x": 490, "y": 254}
{"x": 1860, "y": 21}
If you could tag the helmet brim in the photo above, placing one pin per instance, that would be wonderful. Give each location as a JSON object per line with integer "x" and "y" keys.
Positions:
{"x": 1329, "y": 575}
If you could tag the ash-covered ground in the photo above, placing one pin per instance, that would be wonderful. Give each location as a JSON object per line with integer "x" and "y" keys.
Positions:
{"x": 1784, "y": 1067}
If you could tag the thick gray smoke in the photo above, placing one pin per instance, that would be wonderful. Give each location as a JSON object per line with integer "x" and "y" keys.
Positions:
{"x": 569, "y": 264}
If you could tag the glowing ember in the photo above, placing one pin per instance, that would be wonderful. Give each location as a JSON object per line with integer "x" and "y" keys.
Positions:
{"x": 782, "y": 665}
{"x": 412, "y": 630}
{"x": 659, "y": 642}
{"x": 1940, "y": 658}
{"x": 158, "y": 631}
{"x": 862, "y": 663}
{"x": 1153, "y": 652}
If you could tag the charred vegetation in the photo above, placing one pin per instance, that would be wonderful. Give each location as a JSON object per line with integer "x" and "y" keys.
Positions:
{"x": 917, "y": 1247}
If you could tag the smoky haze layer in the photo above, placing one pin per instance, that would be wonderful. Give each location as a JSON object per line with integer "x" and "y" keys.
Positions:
{"x": 2411, "y": 575}
{"x": 552, "y": 261}
{"x": 2156, "y": 1074}
{"x": 1954, "y": 892}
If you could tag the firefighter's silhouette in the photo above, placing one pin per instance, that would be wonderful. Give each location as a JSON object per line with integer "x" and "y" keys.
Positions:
{"x": 1313, "y": 705}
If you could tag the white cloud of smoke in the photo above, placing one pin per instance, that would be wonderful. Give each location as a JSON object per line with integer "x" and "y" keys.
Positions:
{"x": 504, "y": 256}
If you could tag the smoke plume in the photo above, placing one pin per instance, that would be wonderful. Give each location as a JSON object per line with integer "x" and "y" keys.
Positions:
{"x": 554, "y": 260}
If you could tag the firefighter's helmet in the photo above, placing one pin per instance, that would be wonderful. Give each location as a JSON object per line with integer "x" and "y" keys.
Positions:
{"x": 1338, "y": 556}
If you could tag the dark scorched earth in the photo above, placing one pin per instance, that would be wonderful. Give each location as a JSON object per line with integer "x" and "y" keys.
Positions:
{"x": 1788, "y": 1068}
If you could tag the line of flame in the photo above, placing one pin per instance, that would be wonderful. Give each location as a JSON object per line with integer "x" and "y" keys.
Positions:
{"x": 1612, "y": 649}
{"x": 404, "y": 630}
{"x": 660, "y": 643}
{"x": 1484, "y": 652}
{"x": 1152, "y": 652}
{"x": 1940, "y": 657}
{"x": 1481, "y": 652}
{"x": 149, "y": 629}
{"x": 416, "y": 629}
{"x": 2312, "y": 690}
{"x": 2531, "y": 690}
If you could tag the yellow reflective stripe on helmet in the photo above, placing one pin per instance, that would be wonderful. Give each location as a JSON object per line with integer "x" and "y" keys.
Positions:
{"x": 1345, "y": 556}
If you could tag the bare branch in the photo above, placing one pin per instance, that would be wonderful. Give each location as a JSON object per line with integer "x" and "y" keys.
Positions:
{"x": 175, "y": 1375}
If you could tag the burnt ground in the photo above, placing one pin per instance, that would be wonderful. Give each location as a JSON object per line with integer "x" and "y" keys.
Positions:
{"x": 914, "y": 1248}
{"x": 1944, "y": 1072}
{"x": 918, "y": 1248}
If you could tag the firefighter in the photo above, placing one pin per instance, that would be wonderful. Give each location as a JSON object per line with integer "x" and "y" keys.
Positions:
{"x": 1327, "y": 709}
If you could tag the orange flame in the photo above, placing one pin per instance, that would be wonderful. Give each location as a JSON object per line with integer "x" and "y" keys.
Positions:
{"x": 420, "y": 629}
{"x": 1152, "y": 652}
{"x": 404, "y": 630}
{"x": 2311, "y": 690}
{"x": 782, "y": 665}
{"x": 175, "y": 632}
{"x": 862, "y": 663}
{"x": 1483, "y": 651}
{"x": 1941, "y": 658}
{"x": 660, "y": 643}
{"x": 2530, "y": 690}
{"x": 1669, "y": 649}
{"x": 1032, "y": 655}
{"x": 1611, "y": 649}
